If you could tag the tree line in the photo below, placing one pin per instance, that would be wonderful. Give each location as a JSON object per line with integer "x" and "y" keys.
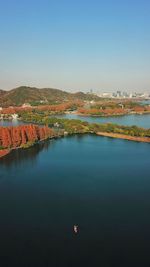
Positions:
{"x": 23, "y": 136}
{"x": 78, "y": 126}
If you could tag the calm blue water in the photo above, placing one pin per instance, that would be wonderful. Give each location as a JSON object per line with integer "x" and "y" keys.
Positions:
{"x": 139, "y": 120}
{"x": 10, "y": 123}
{"x": 145, "y": 102}
{"x": 101, "y": 184}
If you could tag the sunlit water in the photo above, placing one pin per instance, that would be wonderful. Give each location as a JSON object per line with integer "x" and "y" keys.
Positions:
{"x": 139, "y": 120}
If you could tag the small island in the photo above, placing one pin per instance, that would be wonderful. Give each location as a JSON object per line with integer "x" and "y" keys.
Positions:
{"x": 108, "y": 108}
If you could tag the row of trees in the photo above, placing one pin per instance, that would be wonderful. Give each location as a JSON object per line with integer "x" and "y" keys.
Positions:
{"x": 12, "y": 137}
{"x": 120, "y": 129}
{"x": 71, "y": 105}
{"x": 102, "y": 112}
{"x": 114, "y": 108}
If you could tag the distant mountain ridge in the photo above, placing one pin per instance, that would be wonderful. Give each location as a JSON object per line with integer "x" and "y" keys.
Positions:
{"x": 33, "y": 95}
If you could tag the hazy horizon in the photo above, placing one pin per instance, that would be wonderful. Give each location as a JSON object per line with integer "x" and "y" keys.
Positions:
{"x": 75, "y": 46}
{"x": 80, "y": 90}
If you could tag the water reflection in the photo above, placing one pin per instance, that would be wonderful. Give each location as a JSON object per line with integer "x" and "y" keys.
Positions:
{"x": 21, "y": 156}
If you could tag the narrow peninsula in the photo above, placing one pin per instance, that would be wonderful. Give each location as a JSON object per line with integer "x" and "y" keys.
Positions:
{"x": 42, "y": 127}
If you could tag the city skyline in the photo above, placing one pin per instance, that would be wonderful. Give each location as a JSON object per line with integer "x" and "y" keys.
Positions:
{"x": 75, "y": 46}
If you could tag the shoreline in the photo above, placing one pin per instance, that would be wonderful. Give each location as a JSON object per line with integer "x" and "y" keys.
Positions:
{"x": 5, "y": 152}
{"x": 88, "y": 115}
{"x": 125, "y": 137}
{"x": 112, "y": 115}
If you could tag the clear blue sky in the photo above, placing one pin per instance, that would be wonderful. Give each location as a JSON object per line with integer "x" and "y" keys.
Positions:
{"x": 75, "y": 44}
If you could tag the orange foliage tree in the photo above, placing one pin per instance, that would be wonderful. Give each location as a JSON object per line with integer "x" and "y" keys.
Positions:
{"x": 20, "y": 135}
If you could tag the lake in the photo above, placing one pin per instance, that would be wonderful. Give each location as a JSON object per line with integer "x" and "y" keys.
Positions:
{"x": 133, "y": 119}
{"x": 145, "y": 102}
{"x": 100, "y": 184}
{"x": 139, "y": 120}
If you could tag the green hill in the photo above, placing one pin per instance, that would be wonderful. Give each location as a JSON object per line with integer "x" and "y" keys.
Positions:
{"x": 35, "y": 96}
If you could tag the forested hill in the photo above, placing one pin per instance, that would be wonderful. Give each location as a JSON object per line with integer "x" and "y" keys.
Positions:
{"x": 35, "y": 96}
{"x": 2, "y": 92}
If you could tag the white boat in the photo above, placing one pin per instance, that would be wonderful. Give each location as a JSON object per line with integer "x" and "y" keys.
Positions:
{"x": 75, "y": 228}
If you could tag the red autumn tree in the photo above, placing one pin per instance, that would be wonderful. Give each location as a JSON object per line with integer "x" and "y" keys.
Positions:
{"x": 20, "y": 135}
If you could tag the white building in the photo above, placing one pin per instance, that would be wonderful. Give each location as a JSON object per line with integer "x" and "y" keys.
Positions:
{"x": 26, "y": 105}
{"x": 14, "y": 116}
